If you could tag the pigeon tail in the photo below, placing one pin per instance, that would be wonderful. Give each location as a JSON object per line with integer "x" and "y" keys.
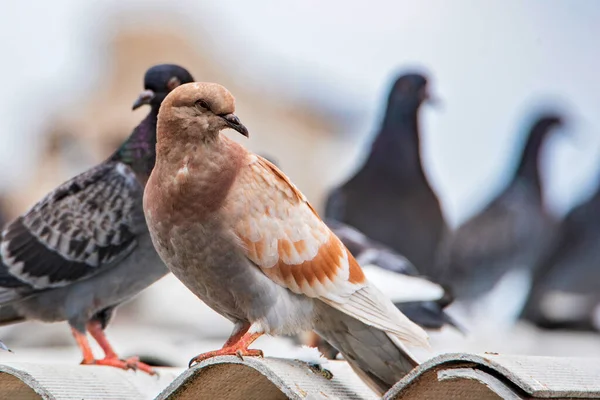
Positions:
{"x": 377, "y": 357}
{"x": 9, "y": 315}
{"x": 8, "y": 295}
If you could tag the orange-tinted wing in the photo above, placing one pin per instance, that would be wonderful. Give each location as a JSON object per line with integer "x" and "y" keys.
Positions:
{"x": 286, "y": 239}
{"x": 283, "y": 235}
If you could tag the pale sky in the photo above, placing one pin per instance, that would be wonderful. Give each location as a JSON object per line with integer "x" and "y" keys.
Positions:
{"x": 490, "y": 63}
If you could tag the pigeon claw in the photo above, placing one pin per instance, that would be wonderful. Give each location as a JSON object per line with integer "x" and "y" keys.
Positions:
{"x": 132, "y": 363}
{"x": 250, "y": 353}
{"x": 226, "y": 351}
{"x": 135, "y": 364}
{"x": 236, "y": 345}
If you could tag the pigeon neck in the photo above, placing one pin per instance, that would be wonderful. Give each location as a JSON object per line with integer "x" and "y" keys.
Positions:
{"x": 139, "y": 150}
{"x": 528, "y": 169}
{"x": 199, "y": 172}
{"x": 396, "y": 148}
{"x": 395, "y": 119}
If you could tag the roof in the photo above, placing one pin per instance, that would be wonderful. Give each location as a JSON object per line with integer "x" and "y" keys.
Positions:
{"x": 448, "y": 377}
{"x": 483, "y": 376}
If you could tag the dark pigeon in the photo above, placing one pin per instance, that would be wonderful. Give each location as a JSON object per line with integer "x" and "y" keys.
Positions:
{"x": 85, "y": 248}
{"x": 565, "y": 289}
{"x": 504, "y": 242}
{"x": 389, "y": 199}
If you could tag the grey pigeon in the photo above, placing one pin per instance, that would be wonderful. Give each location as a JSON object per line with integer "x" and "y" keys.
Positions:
{"x": 565, "y": 288}
{"x": 241, "y": 237}
{"x": 389, "y": 199}
{"x": 500, "y": 246}
{"x": 85, "y": 247}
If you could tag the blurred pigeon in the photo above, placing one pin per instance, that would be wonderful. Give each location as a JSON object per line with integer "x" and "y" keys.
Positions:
{"x": 85, "y": 248}
{"x": 240, "y": 236}
{"x": 389, "y": 199}
{"x": 565, "y": 289}
{"x": 489, "y": 260}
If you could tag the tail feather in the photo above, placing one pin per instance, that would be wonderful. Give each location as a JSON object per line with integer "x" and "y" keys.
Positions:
{"x": 9, "y": 295}
{"x": 379, "y": 358}
{"x": 370, "y": 306}
{"x": 9, "y": 315}
{"x": 11, "y": 288}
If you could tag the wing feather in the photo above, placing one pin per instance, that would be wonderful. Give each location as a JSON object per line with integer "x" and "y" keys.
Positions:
{"x": 84, "y": 226}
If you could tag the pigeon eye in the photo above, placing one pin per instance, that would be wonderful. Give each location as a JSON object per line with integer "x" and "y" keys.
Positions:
{"x": 202, "y": 104}
{"x": 173, "y": 83}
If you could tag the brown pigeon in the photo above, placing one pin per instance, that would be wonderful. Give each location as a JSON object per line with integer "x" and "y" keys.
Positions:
{"x": 241, "y": 236}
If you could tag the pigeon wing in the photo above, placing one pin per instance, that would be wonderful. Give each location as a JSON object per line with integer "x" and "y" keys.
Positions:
{"x": 85, "y": 226}
{"x": 283, "y": 235}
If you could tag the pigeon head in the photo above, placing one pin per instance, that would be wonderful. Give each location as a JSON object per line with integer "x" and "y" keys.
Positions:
{"x": 201, "y": 109}
{"x": 545, "y": 123}
{"x": 408, "y": 93}
{"x": 159, "y": 80}
{"x": 542, "y": 126}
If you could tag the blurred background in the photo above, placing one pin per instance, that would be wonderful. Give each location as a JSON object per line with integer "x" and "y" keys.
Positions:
{"x": 311, "y": 80}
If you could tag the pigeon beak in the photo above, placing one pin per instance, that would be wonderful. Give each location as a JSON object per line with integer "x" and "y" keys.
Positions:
{"x": 144, "y": 98}
{"x": 435, "y": 102}
{"x": 234, "y": 123}
{"x": 430, "y": 99}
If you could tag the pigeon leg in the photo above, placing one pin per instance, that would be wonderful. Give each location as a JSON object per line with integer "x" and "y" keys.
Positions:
{"x": 88, "y": 355}
{"x": 95, "y": 330}
{"x": 84, "y": 345}
{"x": 110, "y": 356}
{"x": 312, "y": 339}
{"x": 236, "y": 345}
